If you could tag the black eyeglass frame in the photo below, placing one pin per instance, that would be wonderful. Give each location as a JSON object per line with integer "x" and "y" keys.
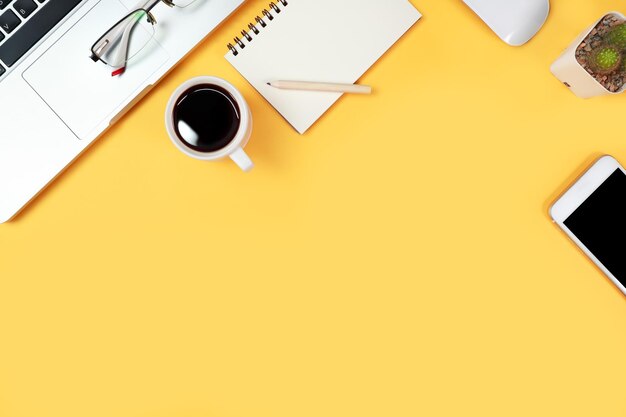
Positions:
{"x": 98, "y": 51}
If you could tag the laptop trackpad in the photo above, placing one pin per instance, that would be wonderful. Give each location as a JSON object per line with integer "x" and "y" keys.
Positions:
{"x": 81, "y": 92}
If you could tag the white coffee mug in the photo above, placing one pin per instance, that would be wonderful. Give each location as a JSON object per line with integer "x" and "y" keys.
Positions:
{"x": 234, "y": 149}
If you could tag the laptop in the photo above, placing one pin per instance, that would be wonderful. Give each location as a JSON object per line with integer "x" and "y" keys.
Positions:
{"x": 55, "y": 101}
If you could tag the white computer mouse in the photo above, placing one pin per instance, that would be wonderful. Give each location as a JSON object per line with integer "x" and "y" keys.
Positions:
{"x": 514, "y": 21}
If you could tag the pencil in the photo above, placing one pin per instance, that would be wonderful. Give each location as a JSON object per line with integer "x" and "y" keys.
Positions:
{"x": 328, "y": 87}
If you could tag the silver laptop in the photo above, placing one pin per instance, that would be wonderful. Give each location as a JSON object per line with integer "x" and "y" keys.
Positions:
{"x": 55, "y": 100}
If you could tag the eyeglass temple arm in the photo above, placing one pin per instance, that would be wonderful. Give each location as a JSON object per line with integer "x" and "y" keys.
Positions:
{"x": 122, "y": 52}
{"x": 103, "y": 46}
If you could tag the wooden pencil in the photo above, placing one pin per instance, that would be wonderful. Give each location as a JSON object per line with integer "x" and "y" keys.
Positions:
{"x": 327, "y": 87}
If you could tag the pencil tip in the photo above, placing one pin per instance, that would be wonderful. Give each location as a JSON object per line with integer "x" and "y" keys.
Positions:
{"x": 269, "y": 84}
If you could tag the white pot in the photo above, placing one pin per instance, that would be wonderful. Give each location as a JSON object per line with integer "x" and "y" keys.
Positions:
{"x": 567, "y": 69}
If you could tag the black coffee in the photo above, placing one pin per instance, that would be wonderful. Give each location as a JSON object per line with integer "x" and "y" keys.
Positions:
{"x": 206, "y": 118}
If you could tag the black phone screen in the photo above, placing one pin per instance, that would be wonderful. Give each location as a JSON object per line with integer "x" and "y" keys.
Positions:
{"x": 600, "y": 224}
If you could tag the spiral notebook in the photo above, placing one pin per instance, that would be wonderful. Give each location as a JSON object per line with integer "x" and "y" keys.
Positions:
{"x": 316, "y": 40}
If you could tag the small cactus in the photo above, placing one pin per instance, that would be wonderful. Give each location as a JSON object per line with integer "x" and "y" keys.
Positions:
{"x": 602, "y": 53}
{"x": 605, "y": 59}
{"x": 617, "y": 37}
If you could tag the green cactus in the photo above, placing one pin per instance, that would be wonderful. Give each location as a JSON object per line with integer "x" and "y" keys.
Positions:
{"x": 617, "y": 36}
{"x": 605, "y": 59}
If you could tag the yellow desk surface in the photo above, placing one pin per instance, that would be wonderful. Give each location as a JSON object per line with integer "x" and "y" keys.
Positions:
{"x": 397, "y": 260}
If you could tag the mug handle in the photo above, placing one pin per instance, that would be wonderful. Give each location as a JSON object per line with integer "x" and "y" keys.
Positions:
{"x": 242, "y": 159}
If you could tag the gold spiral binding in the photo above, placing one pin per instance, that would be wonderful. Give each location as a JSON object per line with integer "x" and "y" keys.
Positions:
{"x": 253, "y": 28}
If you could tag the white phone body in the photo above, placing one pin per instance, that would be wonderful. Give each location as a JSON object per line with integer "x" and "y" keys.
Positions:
{"x": 576, "y": 195}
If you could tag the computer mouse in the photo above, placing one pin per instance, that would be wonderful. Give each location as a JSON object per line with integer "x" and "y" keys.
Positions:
{"x": 514, "y": 21}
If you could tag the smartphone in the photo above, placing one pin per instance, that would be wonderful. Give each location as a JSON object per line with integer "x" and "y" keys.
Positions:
{"x": 592, "y": 212}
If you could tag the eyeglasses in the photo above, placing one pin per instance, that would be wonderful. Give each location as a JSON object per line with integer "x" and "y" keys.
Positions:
{"x": 128, "y": 37}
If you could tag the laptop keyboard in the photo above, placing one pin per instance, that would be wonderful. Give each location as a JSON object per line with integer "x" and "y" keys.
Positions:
{"x": 23, "y": 23}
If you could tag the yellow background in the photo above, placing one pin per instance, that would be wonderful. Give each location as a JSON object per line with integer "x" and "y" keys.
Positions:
{"x": 397, "y": 260}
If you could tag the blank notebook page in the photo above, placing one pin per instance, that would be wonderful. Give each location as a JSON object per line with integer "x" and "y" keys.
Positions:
{"x": 333, "y": 41}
